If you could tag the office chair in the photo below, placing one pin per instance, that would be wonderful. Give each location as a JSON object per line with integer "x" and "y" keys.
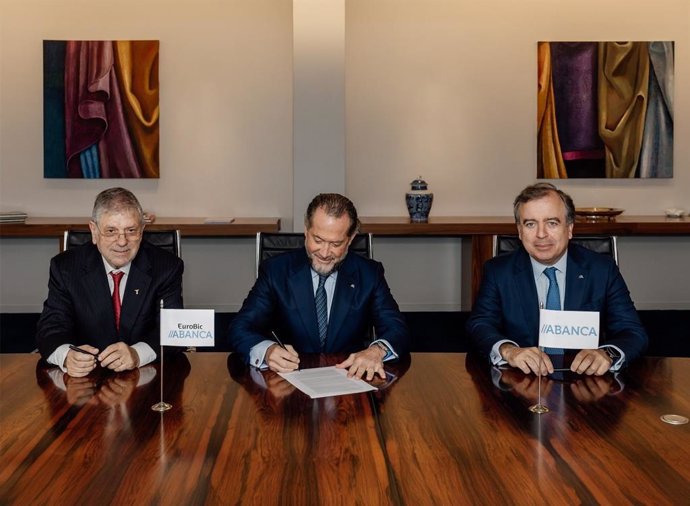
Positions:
{"x": 606, "y": 245}
{"x": 169, "y": 240}
{"x": 270, "y": 244}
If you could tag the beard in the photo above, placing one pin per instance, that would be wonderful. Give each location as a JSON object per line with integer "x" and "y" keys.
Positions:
{"x": 326, "y": 270}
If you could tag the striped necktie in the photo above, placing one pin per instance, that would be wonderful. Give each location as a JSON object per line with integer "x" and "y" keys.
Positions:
{"x": 322, "y": 309}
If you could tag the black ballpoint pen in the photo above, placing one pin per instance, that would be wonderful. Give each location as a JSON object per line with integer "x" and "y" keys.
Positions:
{"x": 280, "y": 343}
{"x": 80, "y": 350}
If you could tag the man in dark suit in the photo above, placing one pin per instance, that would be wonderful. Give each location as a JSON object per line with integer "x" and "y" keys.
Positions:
{"x": 105, "y": 297}
{"x": 504, "y": 324}
{"x": 352, "y": 291}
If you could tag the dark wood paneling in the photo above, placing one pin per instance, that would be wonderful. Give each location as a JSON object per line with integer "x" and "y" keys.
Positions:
{"x": 55, "y": 227}
{"x": 490, "y": 225}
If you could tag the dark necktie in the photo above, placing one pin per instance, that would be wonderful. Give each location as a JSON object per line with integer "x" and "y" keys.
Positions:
{"x": 322, "y": 309}
{"x": 553, "y": 301}
{"x": 117, "y": 304}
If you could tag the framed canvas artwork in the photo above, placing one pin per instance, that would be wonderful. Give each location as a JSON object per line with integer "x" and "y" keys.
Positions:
{"x": 605, "y": 109}
{"x": 100, "y": 109}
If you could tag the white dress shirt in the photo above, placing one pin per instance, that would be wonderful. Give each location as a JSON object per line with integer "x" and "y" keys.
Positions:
{"x": 541, "y": 281}
{"x": 145, "y": 352}
{"x": 257, "y": 354}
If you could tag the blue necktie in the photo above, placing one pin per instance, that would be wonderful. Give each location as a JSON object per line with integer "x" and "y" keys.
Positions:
{"x": 322, "y": 309}
{"x": 553, "y": 301}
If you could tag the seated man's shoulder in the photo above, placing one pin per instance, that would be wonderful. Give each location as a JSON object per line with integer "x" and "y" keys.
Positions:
{"x": 284, "y": 259}
{"x": 159, "y": 256}
{"x": 364, "y": 262}
{"x": 76, "y": 256}
{"x": 581, "y": 253}
{"x": 506, "y": 260}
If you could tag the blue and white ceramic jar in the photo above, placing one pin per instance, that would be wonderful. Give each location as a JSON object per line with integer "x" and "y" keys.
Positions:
{"x": 419, "y": 200}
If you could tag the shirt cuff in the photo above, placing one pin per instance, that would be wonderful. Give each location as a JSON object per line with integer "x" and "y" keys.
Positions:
{"x": 146, "y": 375}
{"x": 145, "y": 352}
{"x": 58, "y": 356}
{"x": 618, "y": 364}
{"x": 495, "y": 355}
{"x": 257, "y": 354}
{"x": 390, "y": 352}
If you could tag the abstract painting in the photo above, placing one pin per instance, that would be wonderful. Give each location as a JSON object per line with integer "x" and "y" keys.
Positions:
{"x": 605, "y": 110}
{"x": 100, "y": 109}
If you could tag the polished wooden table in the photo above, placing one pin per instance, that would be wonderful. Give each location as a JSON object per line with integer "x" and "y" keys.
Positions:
{"x": 441, "y": 430}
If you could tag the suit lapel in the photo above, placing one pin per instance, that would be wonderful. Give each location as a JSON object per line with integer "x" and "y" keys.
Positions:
{"x": 576, "y": 277}
{"x": 96, "y": 286}
{"x": 529, "y": 301}
{"x": 136, "y": 292}
{"x": 346, "y": 286}
{"x": 302, "y": 289}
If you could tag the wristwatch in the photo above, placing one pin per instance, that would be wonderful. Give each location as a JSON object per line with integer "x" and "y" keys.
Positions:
{"x": 612, "y": 353}
{"x": 383, "y": 347}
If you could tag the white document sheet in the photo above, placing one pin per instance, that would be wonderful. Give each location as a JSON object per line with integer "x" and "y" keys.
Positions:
{"x": 326, "y": 382}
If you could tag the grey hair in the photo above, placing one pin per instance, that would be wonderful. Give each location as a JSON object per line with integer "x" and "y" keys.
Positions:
{"x": 539, "y": 190}
{"x": 116, "y": 200}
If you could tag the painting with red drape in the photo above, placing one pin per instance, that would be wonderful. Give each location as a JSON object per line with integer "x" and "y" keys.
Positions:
{"x": 100, "y": 108}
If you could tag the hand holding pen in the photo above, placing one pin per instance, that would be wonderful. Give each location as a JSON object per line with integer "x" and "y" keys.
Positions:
{"x": 281, "y": 358}
{"x": 80, "y": 361}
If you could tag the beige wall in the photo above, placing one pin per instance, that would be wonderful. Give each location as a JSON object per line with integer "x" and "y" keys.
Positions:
{"x": 445, "y": 89}
{"x": 226, "y": 103}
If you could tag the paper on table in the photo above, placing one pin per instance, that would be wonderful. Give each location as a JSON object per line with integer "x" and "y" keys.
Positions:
{"x": 326, "y": 382}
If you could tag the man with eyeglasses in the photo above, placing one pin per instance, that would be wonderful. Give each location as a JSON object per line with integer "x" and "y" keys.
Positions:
{"x": 104, "y": 297}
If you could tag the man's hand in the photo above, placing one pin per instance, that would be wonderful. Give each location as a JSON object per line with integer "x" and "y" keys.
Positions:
{"x": 526, "y": 386}
{"x": 528, "y": 360}
{"x": 80, "y": 364}
{"x": 117, "y": 389}
{"x": 278, "y": 386}
{"x": 79, "y": 390}
{"x": 369, "y": 361}
{"x": 281, "y": 359}
{"x": 119, "y": 357}
{"x": 591, "y": 388}
{"x": 590, "y": 362}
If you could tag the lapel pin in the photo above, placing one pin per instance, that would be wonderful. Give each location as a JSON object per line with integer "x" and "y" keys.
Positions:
{"x": 580, "y": 277}
{"x": 136, "y": 291}
{"x": 352, "y": 285}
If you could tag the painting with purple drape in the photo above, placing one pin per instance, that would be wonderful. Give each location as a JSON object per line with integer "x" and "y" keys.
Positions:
{"x": 605, "y": 110}
{"x": 100, "y": 109}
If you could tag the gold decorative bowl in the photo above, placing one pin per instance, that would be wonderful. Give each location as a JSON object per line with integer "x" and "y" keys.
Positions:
{"x": 597, "y": 213}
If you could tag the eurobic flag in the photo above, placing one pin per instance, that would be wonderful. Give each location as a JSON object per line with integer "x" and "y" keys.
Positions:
{"x": 187, "y": 327}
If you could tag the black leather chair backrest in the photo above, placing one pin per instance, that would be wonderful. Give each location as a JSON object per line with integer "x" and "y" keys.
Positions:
{"x": 271, "y": 244}
{"x": 606, "y": 245}
{"x": 169, "y": 240}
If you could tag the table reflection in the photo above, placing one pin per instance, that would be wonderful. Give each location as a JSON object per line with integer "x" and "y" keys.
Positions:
{"x": 273, "y": 388}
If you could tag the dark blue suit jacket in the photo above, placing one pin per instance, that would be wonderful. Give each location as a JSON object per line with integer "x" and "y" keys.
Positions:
{"x": 282, "y": 300}
{"x": 79, "y": 307}
{"x": 507, "y": 305}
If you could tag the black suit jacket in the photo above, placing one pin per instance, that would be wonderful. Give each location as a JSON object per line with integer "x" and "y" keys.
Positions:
{"x": 79, "y": 307}
{"x": 507, "y": 305}
{"x": 282, "y": 300}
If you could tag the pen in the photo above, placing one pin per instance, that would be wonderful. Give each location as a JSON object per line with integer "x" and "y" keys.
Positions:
{"x": 280, "y": 343}
{"x": 80, "y": 350}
